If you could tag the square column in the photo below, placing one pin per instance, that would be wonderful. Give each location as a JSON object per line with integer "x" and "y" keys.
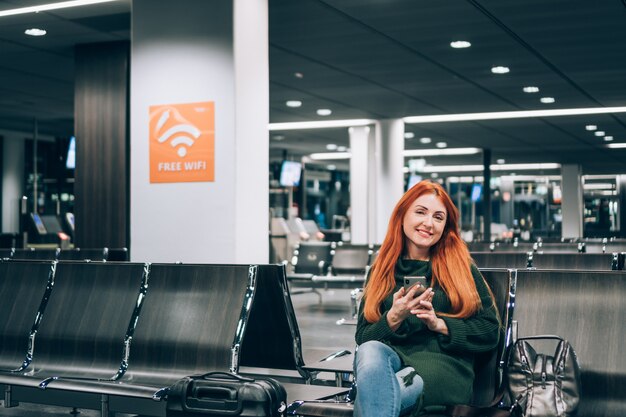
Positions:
{"x": 210, "y": 58}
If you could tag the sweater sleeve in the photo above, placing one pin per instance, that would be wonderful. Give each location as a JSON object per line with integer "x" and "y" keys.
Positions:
{"x": 478, "y": 333}
{"x": 366, "y": 331}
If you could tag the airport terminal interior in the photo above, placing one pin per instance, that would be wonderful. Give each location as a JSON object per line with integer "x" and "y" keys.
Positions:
{"x": 161, "y": 156}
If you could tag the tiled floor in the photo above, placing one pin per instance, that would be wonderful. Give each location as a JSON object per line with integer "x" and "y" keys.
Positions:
{"x": 318, "y": 329}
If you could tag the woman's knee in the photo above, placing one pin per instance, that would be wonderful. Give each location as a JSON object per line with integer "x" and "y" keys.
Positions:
{"x": 374, "y": 352}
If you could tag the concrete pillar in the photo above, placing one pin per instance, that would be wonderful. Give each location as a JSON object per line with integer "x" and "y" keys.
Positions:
{"x": 389, "y": 171}
{"x": 572, "y": 201}
{"x": 200, "y": 68}
{"x": 362, "y": 184}
{"x": 12, "y": 180}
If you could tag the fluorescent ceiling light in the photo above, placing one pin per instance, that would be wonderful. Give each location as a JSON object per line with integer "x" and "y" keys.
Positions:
{"x": 409, "y": 135}
{"x": 341, "y": 149}
{"x": 479, "y": 168}
{"x": 293, "y": 103}
{"x": 599, "y": 133}
{"x": 331, "y": 147}
{"x": 460, "y": 44}
{"x": 500, "y": 161}
{"x": 460, "y": 117}
{"x": 278, "y": 137}
{"x": 406, "y": 153}
{"x": 591, "y": 128}
{"x": 608, "y": 138}
{"x": 441, "y": 152}
{"x": 35, "y": 32}
{"x": 616, "y": 145}
{"x": 441, "y": 145}
{"x": 325, "y": 156}
{"x": 324, "y": 112}
{"x": 476, "y": 179}
{"x": 500, "y": 70}
{"x": 320, "y": 124}
{"x": 298, "y": 75}
{"x": 425, "y": 140}
{"x": 547, "y": 100}
{"x": 530, "y": 89}
{"x": 51, "y": 6}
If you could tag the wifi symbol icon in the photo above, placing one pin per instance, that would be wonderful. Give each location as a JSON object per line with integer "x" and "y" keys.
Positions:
{"x": 180, "y": 135}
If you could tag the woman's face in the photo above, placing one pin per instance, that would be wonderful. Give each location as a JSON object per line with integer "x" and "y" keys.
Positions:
{"x": 423, "y": 225}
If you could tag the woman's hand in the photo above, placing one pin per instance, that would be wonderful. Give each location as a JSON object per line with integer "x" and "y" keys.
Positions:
{"x": 426, "y": 313}
{"x": 404, "y": 302}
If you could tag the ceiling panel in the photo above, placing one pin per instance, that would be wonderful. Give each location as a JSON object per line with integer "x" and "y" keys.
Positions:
{"x": 380, "y": 59}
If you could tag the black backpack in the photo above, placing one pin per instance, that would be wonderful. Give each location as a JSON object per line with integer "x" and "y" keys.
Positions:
{"x": 542, "y": 385}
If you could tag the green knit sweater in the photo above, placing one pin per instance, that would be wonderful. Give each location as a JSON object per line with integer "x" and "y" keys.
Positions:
{"x": 445, "y": 363}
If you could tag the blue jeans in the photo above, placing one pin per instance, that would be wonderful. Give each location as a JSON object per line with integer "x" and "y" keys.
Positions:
{"x": 381, "y": 390}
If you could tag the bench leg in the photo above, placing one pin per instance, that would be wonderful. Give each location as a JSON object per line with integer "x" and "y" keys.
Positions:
{"x": 8, "y": 400}
{"x": 104, "y": 406}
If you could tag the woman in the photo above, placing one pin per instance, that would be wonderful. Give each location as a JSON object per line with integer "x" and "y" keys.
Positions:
{"x": 418, "y": 351}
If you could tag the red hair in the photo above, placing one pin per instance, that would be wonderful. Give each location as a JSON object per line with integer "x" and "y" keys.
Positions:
{"x": 450, "y": 259}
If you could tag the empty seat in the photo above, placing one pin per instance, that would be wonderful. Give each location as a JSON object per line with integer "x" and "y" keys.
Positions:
{"x": 85, "y": 324}
{"x": 580, "y": 261}
{"x": 78, "y": 254}
{"x": 587, "y": 309}
{"x": 36, "y": 254}
{"x": 500, "y": 259}
{"x": 22, "y": 287}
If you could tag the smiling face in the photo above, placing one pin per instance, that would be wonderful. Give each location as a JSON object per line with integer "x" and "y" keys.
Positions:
{"x": 423, "y": 224}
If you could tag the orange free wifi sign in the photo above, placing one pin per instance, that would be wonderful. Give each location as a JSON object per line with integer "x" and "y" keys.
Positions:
{"x": 182, "y": 142}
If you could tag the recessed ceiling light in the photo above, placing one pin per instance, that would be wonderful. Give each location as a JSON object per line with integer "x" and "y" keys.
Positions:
{"x": 608, "y": 138}
{"x": 341, "y": 149}
{"x": 35, "y": 32}
{"x": 500, "y": 69}
{"x": 591, "y": 127}
{"x": 278, "y": 137}
{"x": 547, "y": 100}
{"x": 298, "y": 75}
{"x": 331, "y": 147}
{"x": 599, "y": 133}
{"x": 294, "y": 103}
{"x": 331, "y": 167}
{"x": 425, "y": 140}
{"x": 531, "y": 89}
{"x": 409, "y": 135}
{"x": 460, "y": 44}
{"x": 324, "y": 112}
{"x": 500, "y": 161}
{"x": 441, "y": 144}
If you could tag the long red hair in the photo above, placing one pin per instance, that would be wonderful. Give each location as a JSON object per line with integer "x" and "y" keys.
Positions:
{"x": 449, "y": 257}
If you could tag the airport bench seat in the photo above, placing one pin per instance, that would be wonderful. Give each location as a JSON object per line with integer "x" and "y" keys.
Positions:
{"x": 488, "y": 367}
{"x": 85, "y": 322}
{"x": 22, "y": 287}
{"x": 586, "y": 308}
{"x": 183, "y": 329}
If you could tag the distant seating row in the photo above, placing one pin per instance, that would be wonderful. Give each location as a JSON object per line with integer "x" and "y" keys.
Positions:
{"x": 603, "y": 246}
{"x": 114, "y": 336}
{"x": 584, "y": 307}
{"x": 581, "y": 261}
{"x": 76, "y": 254}
{"x": 329, "y": 264}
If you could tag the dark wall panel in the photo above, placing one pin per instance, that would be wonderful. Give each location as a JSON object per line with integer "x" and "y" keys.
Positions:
{"x": 101, "y": 129}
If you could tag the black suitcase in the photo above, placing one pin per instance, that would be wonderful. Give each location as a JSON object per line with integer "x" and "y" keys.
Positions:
{"x": 226, "y": 394}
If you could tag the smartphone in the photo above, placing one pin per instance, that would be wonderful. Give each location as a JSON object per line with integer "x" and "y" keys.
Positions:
{"x": 411, "y": 281}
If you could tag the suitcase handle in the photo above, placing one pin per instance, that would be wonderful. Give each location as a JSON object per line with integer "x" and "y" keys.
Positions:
{"x": 225, "y": 375}
{"x": 203, "y": 399}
